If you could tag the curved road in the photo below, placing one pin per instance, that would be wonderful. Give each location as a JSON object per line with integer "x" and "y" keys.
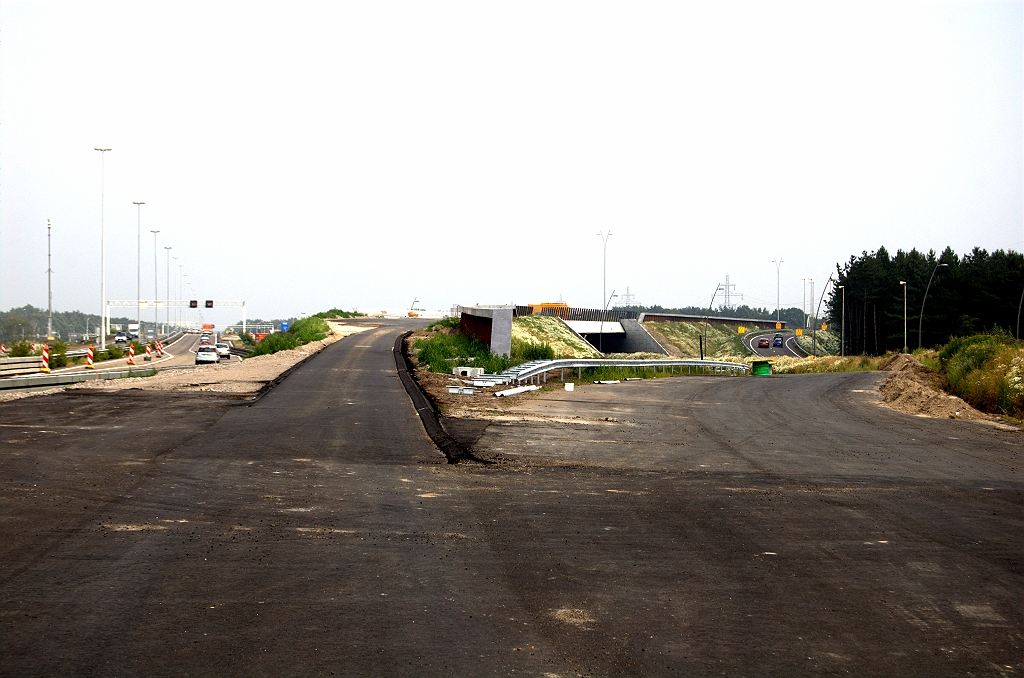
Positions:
{"x": 789, "y": 347}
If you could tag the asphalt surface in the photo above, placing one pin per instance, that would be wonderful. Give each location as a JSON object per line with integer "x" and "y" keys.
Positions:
{"x": 695, "y": 526}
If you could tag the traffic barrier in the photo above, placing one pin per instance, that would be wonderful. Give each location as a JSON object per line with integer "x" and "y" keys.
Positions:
{"x": 159, "y": 349}
{"x": 3, "y": 350}
{"x": 149, "y": 352}
{"x": 131, "y": 354}
{"x": 88, "y": 359}
{"x": 45, "y": 367}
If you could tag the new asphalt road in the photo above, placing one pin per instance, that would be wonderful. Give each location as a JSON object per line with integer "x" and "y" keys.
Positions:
{"x": 319, "y": 531}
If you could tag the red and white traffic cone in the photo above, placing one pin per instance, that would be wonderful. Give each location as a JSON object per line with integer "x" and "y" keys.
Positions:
{"x": 131, "y": 354}
{"x": 149, "y": 352}
{"x": 88, "y": 359}
{"x": 45, "y": 367}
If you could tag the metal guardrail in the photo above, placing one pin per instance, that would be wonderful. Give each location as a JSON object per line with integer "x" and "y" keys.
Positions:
{"x": 531, "y": 370}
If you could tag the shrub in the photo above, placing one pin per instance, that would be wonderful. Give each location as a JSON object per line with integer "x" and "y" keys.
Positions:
{"x": 986, "y": 371}
{"x": 22, "y": 349}
{"x": 448, "y": 323}
{"x": 247, "y": 338}
{"x": 338, "y": 313}
{"x": 309, "y": 329}
{"x": 442, "y": 352}
{"x": 524, "y": 352}
{"x": 59, "y": 354}
{"x": 114, "y": 352}
{"x": 272, "y": 343}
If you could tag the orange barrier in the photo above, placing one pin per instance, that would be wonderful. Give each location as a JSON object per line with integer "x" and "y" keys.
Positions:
{"x": 88, "y": 359}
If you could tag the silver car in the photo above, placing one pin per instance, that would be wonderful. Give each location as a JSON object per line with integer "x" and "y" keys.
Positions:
{"x": 207, "y": 354}
{"x": 223, "y": 349}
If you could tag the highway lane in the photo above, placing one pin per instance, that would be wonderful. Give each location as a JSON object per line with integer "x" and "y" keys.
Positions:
{"x": 302, "y": 535}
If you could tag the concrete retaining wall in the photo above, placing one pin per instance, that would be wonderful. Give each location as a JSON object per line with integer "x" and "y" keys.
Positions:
{"x": 639, "y": 340}
{"x": 490, "y": 324}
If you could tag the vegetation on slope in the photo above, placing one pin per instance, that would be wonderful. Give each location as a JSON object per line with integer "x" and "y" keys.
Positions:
{"x": 300, "y": 332}
{"x": 723, "y": 341}
{"x": 986, "y": 370}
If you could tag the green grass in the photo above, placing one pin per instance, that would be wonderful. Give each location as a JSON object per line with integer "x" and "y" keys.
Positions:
{"x": 723, "y": 341}
{"x": 304, "y": 331}
{"x": 987, "y": 371}
{"x": 338, "y": 313}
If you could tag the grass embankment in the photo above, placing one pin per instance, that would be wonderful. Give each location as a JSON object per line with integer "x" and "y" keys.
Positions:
{"x": 301, "y": 332}
{"x": 821, "y": 365}
{"x": 448, "y": 347}
{"x": 827, "y": 342}
{"x": 545, "y": 329}
{"x": 987, "y": 371}
{"x": 723, "y": 341}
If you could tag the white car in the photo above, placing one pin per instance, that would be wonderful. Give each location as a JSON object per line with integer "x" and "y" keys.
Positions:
{"x": 223, "y": 350}
{"x": 207, "y": 354}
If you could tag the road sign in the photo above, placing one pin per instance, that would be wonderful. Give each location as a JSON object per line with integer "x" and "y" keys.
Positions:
{"x": 778, "y": 326}
{"x": 742, "y": 329}
{"x": 799, "y": 332}
{"x": 284, "y": 327}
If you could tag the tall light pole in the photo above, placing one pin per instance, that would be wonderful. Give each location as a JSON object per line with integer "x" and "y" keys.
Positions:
{"x": 920, "y": 320}
{"x": 103, "y": 261}
{"x": 904, "y": 284}
{"x": 842, "y": 326}
{"x": 156, "y": 293}
{"x": 803, "y": 305}
{"x": 138, "y": 272}
{"x": 167, "y": 309}
{"x": 49, "y": 285}
{"x": 778, "y": 297}
{"x": 604, "y": 283}
{"x": 176, "y": 292}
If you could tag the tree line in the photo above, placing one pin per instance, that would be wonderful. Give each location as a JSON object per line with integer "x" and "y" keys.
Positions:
{"x": 978, "y": 292}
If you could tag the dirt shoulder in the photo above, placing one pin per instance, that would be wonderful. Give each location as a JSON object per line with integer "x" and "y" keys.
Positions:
{"x": 913, "y": 389}
{"x": 242, "y": 378}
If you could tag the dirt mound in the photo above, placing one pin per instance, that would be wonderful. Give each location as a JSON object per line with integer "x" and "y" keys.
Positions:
{"x": 914, "y": 390}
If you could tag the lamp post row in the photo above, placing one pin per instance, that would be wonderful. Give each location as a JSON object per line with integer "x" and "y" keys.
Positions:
{"x": 104, "y": 318}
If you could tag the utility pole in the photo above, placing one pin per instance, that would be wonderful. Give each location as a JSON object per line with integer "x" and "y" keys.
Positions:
{"x": 810, "y": 307}
{"x": 604, "y": 285}
{"x": 904, "y": 284}
{"x": 103, "y": 262}
{"x": 167, "y": 308}
{"x": 842, "y": 335}
{"x": 49, "y": 285}
{"x": 156, "y": 292}
{"x": 803, "y": 304}
{"x": 138, "y": 270}
{"x": 778, "y": 275}
{"x": 920, "y": 319}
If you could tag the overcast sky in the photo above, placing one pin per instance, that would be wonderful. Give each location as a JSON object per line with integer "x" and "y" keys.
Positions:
{"x": 308, "y": 155}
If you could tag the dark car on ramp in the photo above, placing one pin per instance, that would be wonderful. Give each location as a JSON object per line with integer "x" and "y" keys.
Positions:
{"x": 763, "y": 342}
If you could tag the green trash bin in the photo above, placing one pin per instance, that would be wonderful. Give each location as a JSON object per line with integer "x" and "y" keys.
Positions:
{"x": 761, "y": 368}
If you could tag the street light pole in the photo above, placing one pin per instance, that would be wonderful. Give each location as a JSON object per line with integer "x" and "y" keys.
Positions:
{"x": 49, "y": 285}
{"x": 778, "y": 303}
{"x": 604, "y": 285}
{"x": 156, "y": 293}
{"x": 904, "y": 284}
{"x": 103, "y": 262}
{"x": 138, "y": 272}
{"x": 803, "y": 304}
{"x": 842, "y": 326}
{"x": 920, "y": 319}
{"x": 167, "y": 309}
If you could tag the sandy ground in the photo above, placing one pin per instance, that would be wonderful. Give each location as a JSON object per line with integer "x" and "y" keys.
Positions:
{"x": 243, "y": 378}
{"x": 912, "y": 389}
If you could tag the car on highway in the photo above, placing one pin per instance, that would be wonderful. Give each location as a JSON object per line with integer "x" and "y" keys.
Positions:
{"x": 121, "y": 338}
{"x": 207, "y": 354}
{"x": 763, "y": 342}
{"x": 223, "y": 349}
{"x": 777, "y": 341}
